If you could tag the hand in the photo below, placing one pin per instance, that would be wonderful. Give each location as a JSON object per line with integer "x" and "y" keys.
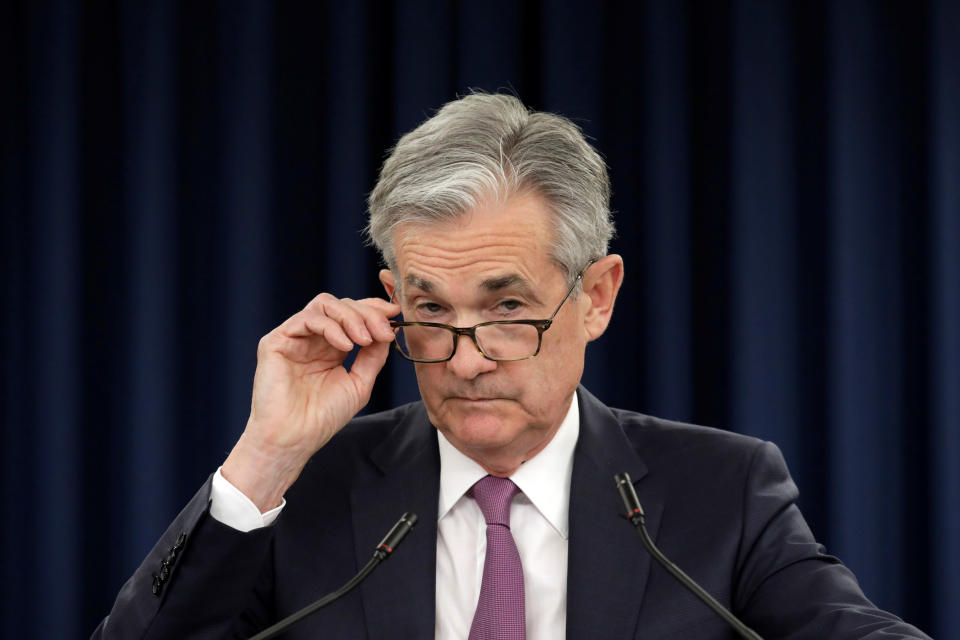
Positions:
{"x": 302, "y": 393}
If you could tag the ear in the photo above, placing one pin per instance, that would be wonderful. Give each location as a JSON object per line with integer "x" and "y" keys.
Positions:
{"x": 388, "y": 282}
{"x": 601, "y": 283}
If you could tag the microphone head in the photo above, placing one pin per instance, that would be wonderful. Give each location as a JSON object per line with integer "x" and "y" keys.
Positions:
{"x": 629, "y": 495}
{"x": 396, "y": 534}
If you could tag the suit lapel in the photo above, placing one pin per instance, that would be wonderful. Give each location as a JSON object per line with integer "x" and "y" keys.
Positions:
{"x": 398, "y": 599}
{"x": 607, "y": 566}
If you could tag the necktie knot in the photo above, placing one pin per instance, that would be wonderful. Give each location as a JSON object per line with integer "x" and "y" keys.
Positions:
{"x": 493, "y": 496}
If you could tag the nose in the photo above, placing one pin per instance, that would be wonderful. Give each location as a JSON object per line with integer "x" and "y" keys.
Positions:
{"x": 467, "y": 362}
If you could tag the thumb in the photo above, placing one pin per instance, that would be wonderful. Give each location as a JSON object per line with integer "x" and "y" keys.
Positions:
{"x": 368, "y": 363}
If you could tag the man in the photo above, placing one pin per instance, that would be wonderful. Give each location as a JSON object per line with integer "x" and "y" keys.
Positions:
{"x": 493, "y": 222}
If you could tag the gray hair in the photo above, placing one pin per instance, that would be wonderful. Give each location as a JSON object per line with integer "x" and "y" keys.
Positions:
{"x": 489, "y": 147}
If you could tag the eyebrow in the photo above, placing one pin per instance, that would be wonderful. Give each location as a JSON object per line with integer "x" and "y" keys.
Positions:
{"x": 416, "y": 282}
{"x": 498, "y": 283}
{"x": 511, "y": 281}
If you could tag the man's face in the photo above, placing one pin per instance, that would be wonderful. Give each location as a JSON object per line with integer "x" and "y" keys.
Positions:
{"x": 493, "y": 264}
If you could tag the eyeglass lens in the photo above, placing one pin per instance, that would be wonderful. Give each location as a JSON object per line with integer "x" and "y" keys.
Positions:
{"x": 497, "y": 341}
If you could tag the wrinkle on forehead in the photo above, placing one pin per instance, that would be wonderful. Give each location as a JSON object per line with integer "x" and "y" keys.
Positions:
{"x": 493, "y": 248}
{"x": 488, "y": 257}
{"x": 453, "y": 238}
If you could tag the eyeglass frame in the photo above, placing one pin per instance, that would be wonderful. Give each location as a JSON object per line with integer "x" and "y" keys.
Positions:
{"x": 471, "y": 332}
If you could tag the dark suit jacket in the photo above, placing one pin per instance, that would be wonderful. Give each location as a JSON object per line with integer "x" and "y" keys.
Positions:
{"x": 718, "y": 504}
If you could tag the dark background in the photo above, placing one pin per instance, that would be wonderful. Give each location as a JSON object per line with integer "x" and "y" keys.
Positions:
{"x": 179, "y": 177}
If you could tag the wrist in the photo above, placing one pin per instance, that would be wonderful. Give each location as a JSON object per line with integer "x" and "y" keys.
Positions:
{"x": 262, "y": 473}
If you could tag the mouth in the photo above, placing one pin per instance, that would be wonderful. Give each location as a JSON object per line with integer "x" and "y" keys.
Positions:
{"x": 474, "y": 400}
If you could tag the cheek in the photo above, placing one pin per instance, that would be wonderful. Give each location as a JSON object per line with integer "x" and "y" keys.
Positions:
{"x": 427, "y": 379}
{"x": 564, "y": 350}
{"x": 553, "y": 374}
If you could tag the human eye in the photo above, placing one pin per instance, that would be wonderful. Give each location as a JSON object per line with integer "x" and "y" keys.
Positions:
{"x": 428, "y": 309}
{"x": 509, "y": 307}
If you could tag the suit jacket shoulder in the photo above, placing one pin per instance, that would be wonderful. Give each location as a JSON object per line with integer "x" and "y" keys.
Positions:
{"x": 221, "y": 583}
{"x": 722, "y": 507}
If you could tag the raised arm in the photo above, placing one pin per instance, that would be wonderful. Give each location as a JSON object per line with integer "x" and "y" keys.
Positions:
{"x": 202, "y": 574}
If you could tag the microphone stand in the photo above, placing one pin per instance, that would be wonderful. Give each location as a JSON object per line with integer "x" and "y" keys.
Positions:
{"x": 636, "y": 516}
{"x": 381, "y": 553}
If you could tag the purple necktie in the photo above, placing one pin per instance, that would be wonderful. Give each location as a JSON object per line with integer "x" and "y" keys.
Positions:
{"x": 500, "y": 612}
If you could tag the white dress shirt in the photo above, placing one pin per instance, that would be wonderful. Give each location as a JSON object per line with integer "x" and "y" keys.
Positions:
{"x": 539, "y": 520}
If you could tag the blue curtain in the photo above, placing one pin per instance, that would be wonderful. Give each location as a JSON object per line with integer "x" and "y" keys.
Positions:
{"x": 179, "y": 177}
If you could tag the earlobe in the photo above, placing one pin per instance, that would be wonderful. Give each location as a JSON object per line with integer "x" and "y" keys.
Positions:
{"x": 601, "y": 283}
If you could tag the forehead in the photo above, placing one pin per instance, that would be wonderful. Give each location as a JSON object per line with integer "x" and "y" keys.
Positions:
{"x": 510, "y": 241}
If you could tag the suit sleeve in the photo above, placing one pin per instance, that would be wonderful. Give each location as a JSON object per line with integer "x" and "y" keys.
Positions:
{"x": 201, "y": 580}
{"x": 787, "y": 586}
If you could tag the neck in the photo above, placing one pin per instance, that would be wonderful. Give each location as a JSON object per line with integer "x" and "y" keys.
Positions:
{"x": 505, "y": 466}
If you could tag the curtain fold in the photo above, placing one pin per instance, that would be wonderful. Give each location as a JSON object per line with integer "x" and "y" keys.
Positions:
{"x": 943, "y": 238}
{"x": 178, "y": 178}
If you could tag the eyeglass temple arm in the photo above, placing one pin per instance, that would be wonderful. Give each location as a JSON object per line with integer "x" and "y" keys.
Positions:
{"x": 579, "y": 278}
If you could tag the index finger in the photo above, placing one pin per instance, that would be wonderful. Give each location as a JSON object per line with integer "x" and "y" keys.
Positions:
{"x": 376, "y": 315}
{"x": 389, "y": 308}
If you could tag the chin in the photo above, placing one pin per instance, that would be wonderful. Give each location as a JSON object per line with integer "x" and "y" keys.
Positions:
{"x": 479, "y": 429}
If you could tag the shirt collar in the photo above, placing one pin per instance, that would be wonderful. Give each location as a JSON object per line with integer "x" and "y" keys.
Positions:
{"x": 544, "y": 478}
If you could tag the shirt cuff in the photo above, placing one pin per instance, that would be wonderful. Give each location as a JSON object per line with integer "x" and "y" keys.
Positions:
{"x": 231, "y": 507}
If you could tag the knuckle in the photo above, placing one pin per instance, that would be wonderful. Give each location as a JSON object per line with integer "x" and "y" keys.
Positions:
{"x": 321, "y": 299}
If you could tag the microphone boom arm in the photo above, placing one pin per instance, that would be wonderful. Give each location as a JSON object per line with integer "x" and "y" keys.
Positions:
{"x": 381, "y": 553}
{"x": 636, "y": 516}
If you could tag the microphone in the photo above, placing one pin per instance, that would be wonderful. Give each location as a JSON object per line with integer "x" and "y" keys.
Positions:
{"x": 636, "y": 516}
{"x": 383, "y": 551}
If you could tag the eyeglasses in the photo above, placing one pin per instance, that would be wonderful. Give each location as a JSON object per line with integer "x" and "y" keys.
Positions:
{"x": 498, "y": 340}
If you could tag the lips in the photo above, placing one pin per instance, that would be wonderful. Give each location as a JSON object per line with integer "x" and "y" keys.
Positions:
{"x": 475, "y": 395}
{"x": 474, "y": 399}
